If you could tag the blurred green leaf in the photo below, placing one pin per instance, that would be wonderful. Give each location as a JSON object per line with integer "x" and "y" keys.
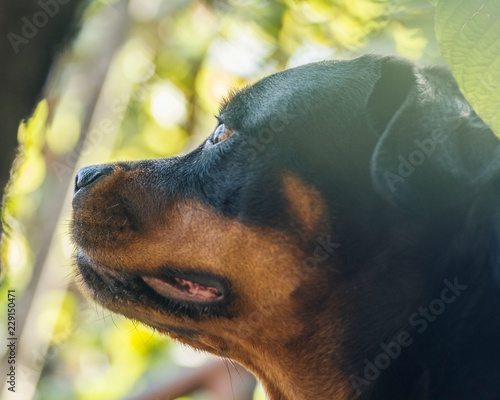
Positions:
{"x": 468, "y": 32}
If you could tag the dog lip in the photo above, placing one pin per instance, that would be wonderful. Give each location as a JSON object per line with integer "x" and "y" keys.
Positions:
{"x": 100, "y": 279}
{"x": 115, "y": 288}
{"x": 190, "y": 290}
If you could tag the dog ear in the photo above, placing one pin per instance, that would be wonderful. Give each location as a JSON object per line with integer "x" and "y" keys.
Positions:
{"x": 433, "y": 150}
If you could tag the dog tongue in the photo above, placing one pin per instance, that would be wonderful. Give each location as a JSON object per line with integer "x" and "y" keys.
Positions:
{"x": 182, "y": 289}
{"x": 195, "y": 289}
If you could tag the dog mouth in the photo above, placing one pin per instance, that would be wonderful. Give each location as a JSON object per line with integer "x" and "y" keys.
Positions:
{"x": 184, "y": 293}
{"x": 184, "y": 289}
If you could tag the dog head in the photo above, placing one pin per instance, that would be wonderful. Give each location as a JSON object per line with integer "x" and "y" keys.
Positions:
{"x": 303, "y": 230}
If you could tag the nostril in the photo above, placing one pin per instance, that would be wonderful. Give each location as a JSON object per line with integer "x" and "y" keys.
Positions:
{"x": 89, "y": 175}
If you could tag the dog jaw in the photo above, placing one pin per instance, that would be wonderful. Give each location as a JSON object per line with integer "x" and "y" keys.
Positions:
{"x": 262, "y": 319}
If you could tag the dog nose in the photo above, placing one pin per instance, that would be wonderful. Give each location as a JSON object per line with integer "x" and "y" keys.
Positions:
{"x": 89, "y": 175}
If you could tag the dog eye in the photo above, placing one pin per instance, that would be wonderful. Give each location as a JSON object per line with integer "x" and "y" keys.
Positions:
{"x": 221, "y": 133}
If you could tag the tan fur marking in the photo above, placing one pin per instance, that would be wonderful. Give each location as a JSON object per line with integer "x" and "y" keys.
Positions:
{"x": 305, "y": 203}
{"x": 268, "y": 334}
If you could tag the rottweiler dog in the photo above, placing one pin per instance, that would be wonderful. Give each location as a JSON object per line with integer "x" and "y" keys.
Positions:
{"x": 337, "y": 234}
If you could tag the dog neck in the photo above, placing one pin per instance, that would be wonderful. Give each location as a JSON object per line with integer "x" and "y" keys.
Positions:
{"x": 307, "y": 367}
{"x": 442, "y": 330}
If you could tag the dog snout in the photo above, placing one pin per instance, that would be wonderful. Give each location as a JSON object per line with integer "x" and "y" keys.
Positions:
{"x": 87, "y": 176}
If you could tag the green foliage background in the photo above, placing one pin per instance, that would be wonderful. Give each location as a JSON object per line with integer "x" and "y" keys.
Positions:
{"x": 167, "y": 72}
{"x": 469, "y": 35}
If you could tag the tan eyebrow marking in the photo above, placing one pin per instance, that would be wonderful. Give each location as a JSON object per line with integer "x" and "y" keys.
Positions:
{"x": 306, "y": 205}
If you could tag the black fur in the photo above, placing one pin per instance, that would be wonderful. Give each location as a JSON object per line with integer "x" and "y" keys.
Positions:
{"x": 411, "y": 177}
